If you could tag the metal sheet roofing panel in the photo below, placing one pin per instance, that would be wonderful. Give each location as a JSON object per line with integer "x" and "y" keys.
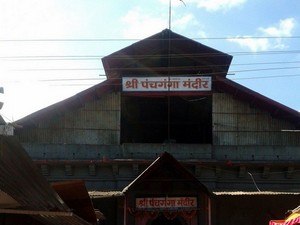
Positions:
{"x": 20, "y": 179}
{"x": 248, "y": 193}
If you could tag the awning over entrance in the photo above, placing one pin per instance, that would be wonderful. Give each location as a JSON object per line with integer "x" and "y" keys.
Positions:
{"x": 166, "y": 192}
{"x": 276, "y": 222}
{"x": 292, "y": 219}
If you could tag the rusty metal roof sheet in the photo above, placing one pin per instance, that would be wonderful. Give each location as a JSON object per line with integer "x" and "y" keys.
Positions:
{"x": 75, "y": 195}
{"x": 20, "y": 179}
{"x": 105, "y": 194}
{"x": 111, "y": 194}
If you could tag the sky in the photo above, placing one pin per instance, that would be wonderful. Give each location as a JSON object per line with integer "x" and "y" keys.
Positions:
{"x": 52, "y": 49}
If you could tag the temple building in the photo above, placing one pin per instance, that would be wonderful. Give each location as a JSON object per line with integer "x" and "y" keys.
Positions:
{"x": 167, "y": 138}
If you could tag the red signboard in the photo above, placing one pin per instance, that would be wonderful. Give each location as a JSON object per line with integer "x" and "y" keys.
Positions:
{"x": 166, "y": 202}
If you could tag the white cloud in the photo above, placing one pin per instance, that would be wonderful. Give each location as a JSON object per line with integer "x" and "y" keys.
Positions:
{"x": 260, "y": 44}
{"x": 209, "y": 5}
{"x": 183, "y": 21}
{"x": 217, "y": 5}
{"x": 139, "y": 24}
{"x": 35, "y": 19}
{"x": 174, "y": 2}
{"x": 283, "y": 29}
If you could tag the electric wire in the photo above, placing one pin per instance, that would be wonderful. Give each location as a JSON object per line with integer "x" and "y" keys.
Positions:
{"x": 213, "y": 73}
{"x": 104, "y": 78}
{"x": 152, "y": 56}
{"x": 59, "y": 80}
{"x": 209, "y": 65}
{"x": 97, "y": 57}
{"x": 232, "y": 169}
{"x": 138, "y": 39}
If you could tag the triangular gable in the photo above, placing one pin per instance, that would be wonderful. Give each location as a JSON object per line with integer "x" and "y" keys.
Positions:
{"x": 128, "y": 61}
{"x": 166, "y": 168}
{"x": 166, "y": 52}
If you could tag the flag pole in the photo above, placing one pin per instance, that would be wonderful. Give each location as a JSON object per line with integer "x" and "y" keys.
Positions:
{"x": 170, "y": 8}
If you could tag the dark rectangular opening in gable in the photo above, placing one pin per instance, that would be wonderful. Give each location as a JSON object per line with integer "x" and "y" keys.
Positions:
{"x": 176, "y": 119}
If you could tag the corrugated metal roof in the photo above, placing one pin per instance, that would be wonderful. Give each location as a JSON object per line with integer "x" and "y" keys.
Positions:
{"x": 20, "y": 179}
{"x": 75, "y": 195}
{"x": 246, "y": 193}
{"x": 7, "y": 201}
{"x": 110, "y": 194}
{"x": 62, "y": 220}
{"x": 245, "y": 94}
{"x": 221, "y": 84}
{"x": 105, "y": 194}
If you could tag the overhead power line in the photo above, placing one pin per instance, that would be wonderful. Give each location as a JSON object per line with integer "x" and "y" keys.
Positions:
{"x": 185, "y": 67}
{"x": 148, "y": 56}
{"x": 69, "y": 81}
{"x": 139, "y": 39}
{"x": 89, "y": 84}
{"x": 57, "y": 69}
{"x": 98, "y": 79}
{"x": 263, "y": 69}
{"x": 267, "y": 77}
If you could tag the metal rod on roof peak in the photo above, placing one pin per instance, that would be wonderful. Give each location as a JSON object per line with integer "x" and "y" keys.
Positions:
{"x": 170, "y": 13}
{"x": 170, "y": 7}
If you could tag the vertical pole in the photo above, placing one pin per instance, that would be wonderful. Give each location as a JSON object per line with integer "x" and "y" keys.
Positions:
{"x": 169, "y": 65}
{"x": 209, "y": 211}
{"x": 170, "y": 8}
{"x": 125, "y": 211}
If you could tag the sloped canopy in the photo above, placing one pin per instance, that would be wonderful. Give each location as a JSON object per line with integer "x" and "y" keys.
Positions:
{"x": 166, "y": 53}
{"x": 166, "y": 170}
{"x": 292, "y": 219}
{"x": 30, "y": 193}
{"x": 76, "y": 196}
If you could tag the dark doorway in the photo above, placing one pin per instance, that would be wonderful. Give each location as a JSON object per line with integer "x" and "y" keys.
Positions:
{"x": 145, "y": 119}
{"x": 162, "y": 220}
